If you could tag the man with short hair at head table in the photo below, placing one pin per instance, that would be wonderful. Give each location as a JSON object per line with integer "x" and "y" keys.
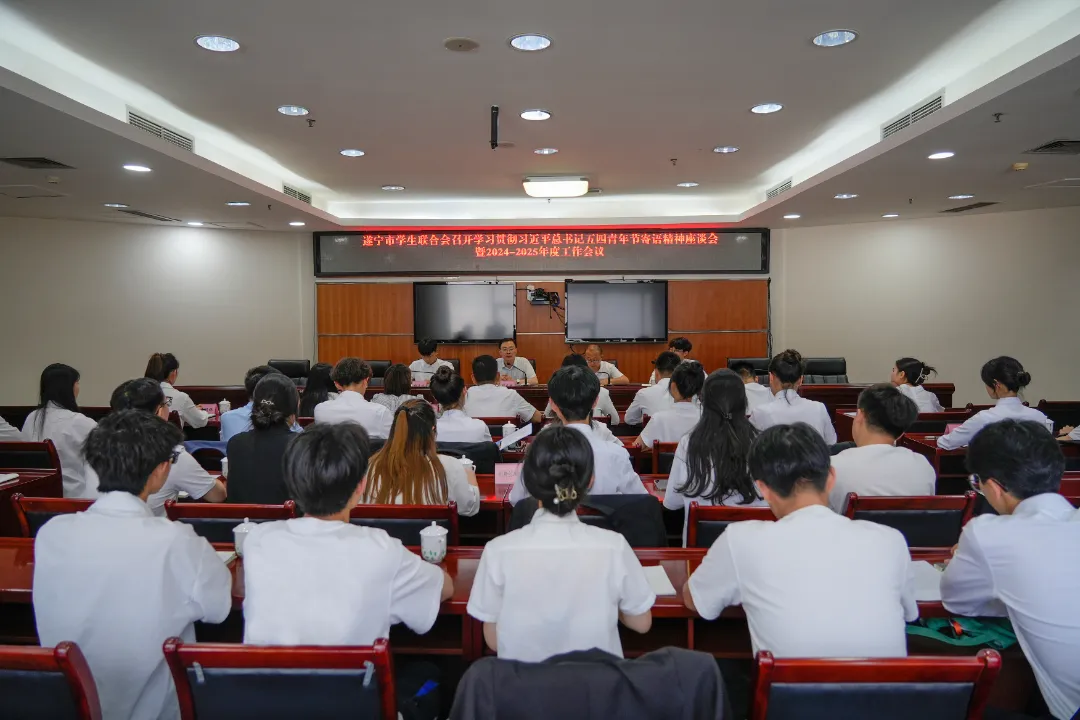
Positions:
{"x": 118, "y": 581}
{"x": 607, "y": 373}
{"x": 424, "y": 369}
{"x": 652, "y": 399}
{"x": 1023, "y": 562}
{"x": 486, "y": 399}
{"x": 812, "y": 583}
{"x": 238, "y": 420}
{"x": 352, "y": 376}
{"x": 513, "y": 368}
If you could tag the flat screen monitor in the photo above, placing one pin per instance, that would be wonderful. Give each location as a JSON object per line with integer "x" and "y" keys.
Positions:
{"x": 464, "y": 312}
{"x": 616, "y": 311}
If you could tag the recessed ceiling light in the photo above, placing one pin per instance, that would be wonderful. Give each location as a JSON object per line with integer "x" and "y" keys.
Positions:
{"x": 766, "y": 108}
{"x": 393, "y": 188}
{"x": 845, "y": 196}
{"x": 725, "y": 149}
{"x": 115, "y": 205}
{"x": 536, "y": 114}
{"x": 530, "y": 43}
{"x": 943, "y": 155}
{"x": 891, "y": 215}
{"x": 546, "y": 151}
{"x": 238, "y": 203}
{"x": 195, "y": 224}
{"x": 217, "y": 43}
{"x": 297, "y": 223}
{"x": 792, "y": 216}
{"x": 835, "y": 38}
{"x": 687, "y": 184}
{"x": 137, "y": 168}
{"x": 961, "y": 197}
{"x": 293, "y": 110}
{"x": 352, "y": 152}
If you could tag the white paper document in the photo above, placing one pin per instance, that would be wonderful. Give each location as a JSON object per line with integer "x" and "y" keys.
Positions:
{"x": 517, "y": 436}
{"x": 927, "y": 581}
{"x": 9, "y": 476}
{"x": 227, "y": 556}
{"x": 658, "y": 580}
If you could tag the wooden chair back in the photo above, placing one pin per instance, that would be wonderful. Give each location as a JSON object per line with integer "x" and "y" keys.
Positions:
{"x": 29, "y": 456}
{"x": 705, "y": 523}
{"x": 33, "y": 512}
{"x": 929, "y": 521}
{"x": 215, "y": 521}
{"x": 405, "y": 522}
{"x": 44, "y": 682}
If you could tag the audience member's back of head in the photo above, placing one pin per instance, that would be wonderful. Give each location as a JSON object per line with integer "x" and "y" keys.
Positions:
{"x": 254, "y": 375}
{"x": 317, "y": 389}
{"x": 886, "y": 409}
{"x": 485, "y": 368}
{"x": 127, "y": 446}
{"x": 915, "y": 371}
{"x": 574, "y": 359}
{"x": 1007, "y": 371}
{"x": 688, "y": 378}
{"x": 574, "y": 390}
{"x": 1019, "y": 455}
{"x": 447, "y": 387}
{"x": 790, "y": 458}
{"x": 160, "y": 366}
{"x": 743, "y": 369}
{"x": 558, "y": 469}
{"x": 138, "y": 394}
{"x": 57, "y": 386}
{"x": 718, "y": 446}
{"x": 666, "y": 362}
{"x": 275, "y": 400}
{"x": 788, "y": 367}
{"x": 324, "y": 466}
{"x": 351, "y": 371}
{"x": 408, "y": 465}
{"x": 397, "y": 380}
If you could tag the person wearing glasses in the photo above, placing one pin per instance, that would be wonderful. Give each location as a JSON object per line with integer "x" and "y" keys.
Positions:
{"x": 607, "y": 373}
{"x": 513, "y": 368}
{"x": 1022, "y": 562}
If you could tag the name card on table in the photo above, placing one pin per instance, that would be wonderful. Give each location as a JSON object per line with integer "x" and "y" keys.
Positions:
{"x": 506, "y": 475}
{"x": 951, "y": 427}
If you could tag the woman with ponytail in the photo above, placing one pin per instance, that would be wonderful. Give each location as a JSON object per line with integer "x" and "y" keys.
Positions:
{"x": 57, "y": 418}
{"x": 710, "y": 466}
{"x": 255, "y": 468}
{"x": 788, "y": 408}
{"x": 164, "y": 367}
{"x": 408, "y": 470}
{"x": 453, "y": 425}
{"x": 559, "y": 585}
{"x": 908, "y": 375}
{"x": 1004, "y": 378}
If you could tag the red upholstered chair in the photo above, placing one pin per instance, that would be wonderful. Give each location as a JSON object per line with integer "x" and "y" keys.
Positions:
{"x": 663, "y": 455}
{"x": 930, "y": 521}
{"x": 405, "y": 522}
{"x": 29, "y": 456}
{"x": 1070, "y": 484}
{"x": 215, "y": 521}
{"x": 208, "y": 458}
{"x": 928, "y": 688}
{"x": 32, "y": 513}
{"x": 705, "y": 523}
{"x": 231, "y": 680}
{"x": 305, "y": 421}
{"x": 37, "y": 682}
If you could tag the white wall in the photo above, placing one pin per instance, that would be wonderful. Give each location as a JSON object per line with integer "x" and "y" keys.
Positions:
{"x": 103, "y": 296}
{"x": 953, "y": 292}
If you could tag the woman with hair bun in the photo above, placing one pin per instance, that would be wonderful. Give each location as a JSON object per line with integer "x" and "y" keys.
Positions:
{"x": 559, "y": 585}
{"x": 908, "y": 375}
{"x": 164, "y": 367}
{"x": 453, "y": 425}
{"x": 1004, "y": 378}
{"x": 787, "y": 408}
{"x": 255, "y": 469}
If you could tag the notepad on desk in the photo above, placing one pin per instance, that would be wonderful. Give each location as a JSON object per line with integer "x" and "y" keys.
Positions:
{"x": 227, "y": 556}
{"x": 8, "y": 476}
{"x": 927, "y": 581}
{"x": 658, "y": 580}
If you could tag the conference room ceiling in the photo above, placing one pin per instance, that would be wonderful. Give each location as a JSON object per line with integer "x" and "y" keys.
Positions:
{"x": 640, "y": 93}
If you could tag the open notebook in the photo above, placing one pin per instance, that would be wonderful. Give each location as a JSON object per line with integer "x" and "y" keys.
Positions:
{"x": 658, "y": 580}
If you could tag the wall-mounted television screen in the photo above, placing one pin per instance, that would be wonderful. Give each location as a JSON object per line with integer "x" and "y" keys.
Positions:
{"x": 616, "y": 311}
{"x": 464, "y": 312}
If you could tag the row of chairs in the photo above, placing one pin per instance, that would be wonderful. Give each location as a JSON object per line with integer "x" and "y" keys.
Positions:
{"x": 230, "y": 680}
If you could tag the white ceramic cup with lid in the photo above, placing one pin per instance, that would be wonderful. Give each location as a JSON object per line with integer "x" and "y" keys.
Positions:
{"x": 240, "y": 533}
{"x": 433, "y": 543}
{"x": 224, "y": 406}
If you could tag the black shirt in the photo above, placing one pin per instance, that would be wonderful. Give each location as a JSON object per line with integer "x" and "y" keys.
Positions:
{"x": 255, "y": 472}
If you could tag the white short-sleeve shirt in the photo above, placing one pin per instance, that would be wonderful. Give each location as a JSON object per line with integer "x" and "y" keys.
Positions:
{"x": 68, "y": 431}
{"x": 324, "y": 582}
{"x": 352, "y": 407}
{"x": 497, "y": 401}
{"x": 880, "y": 470}
{"x": 119, "y": 582}
{"x": 456, "y": 426}
{"x": 187, "y": 475}
{"x": 1008, "y": 408}
{"x": 649, "y": 401}
{"x": 9, "y": 433}
{"x": 558, "y": 585}
{"x": 423, "y": 371}
{"x": 789, "y": 408}
{"x": 671, "y": 425}
{"x": 604, "y": 407}
{"x": 756, "y": 394}
{"x": 926, "y": 401}
{"x": 519, "y": 372}
{"x": 181, "y": 403}
{"x": 608, "y": 371}
{"x": 808, "y": 580}
{"x": 1025, "y": 566}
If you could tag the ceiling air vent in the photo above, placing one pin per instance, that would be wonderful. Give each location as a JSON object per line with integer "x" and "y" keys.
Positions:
{"x": 914, "y": 115}
{"x": 294, "y": 193}
{"x": 28, "y": 192}
{"x": 160, "y": 131}
{"x": 36, "y": 163}
{"x": 781, "y": 188}
{"x": 148, "y": 216}
{"x": 972, "y": 206}
{"x": 1056, "y": 147}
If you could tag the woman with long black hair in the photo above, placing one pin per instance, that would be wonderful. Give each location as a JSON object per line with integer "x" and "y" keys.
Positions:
{"x": 57, "y": 418}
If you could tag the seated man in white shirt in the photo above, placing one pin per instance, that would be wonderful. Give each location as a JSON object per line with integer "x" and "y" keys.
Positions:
{"x": 513, "y": 368}
{"x": 813, "y": 583}
{"x": 654, "y": 398}
{"x": 486, "y": 399}
{"x": 573, "y": 391}
{"x": 118, "y": 581}
{"x": 604, "y": 406}
{"x": 352, "y": 375}
{"x": 756, "y": 393}
{"x": 1022, "y": 562}
{"x": 605, "y": 371}
{"x": 424, "y": 368}
{"x": 361, "y": 580}
{"x": 680, "y": 346}
{"x": 669, "y": 426}
{"x": 876, "y": 466}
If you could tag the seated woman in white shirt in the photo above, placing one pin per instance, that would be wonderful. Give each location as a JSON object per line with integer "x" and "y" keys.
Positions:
{"x": 408, "y": 470}
{"x": 559, "y": 585}
{"x": 319, "y": 388}
{"x": 681, "y": 347}
{"x": 1004, "y": 378}
{"x": 671, "y": 425}
{"x": 710, "y": 462}
{"x": 604, "y": 406}
{"x": 908, "y": 375}
{"x": 164, "y": 367}
{"x": 397, "y": 381}
{"x": 453, "y": 425}
{"x": 785, "y": 379}
{"x": 57, "y": 418}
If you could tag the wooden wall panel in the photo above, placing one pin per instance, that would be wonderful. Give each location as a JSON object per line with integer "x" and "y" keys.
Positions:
{"x": 364, "y": 308}
{"x": 718, "y": 305}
